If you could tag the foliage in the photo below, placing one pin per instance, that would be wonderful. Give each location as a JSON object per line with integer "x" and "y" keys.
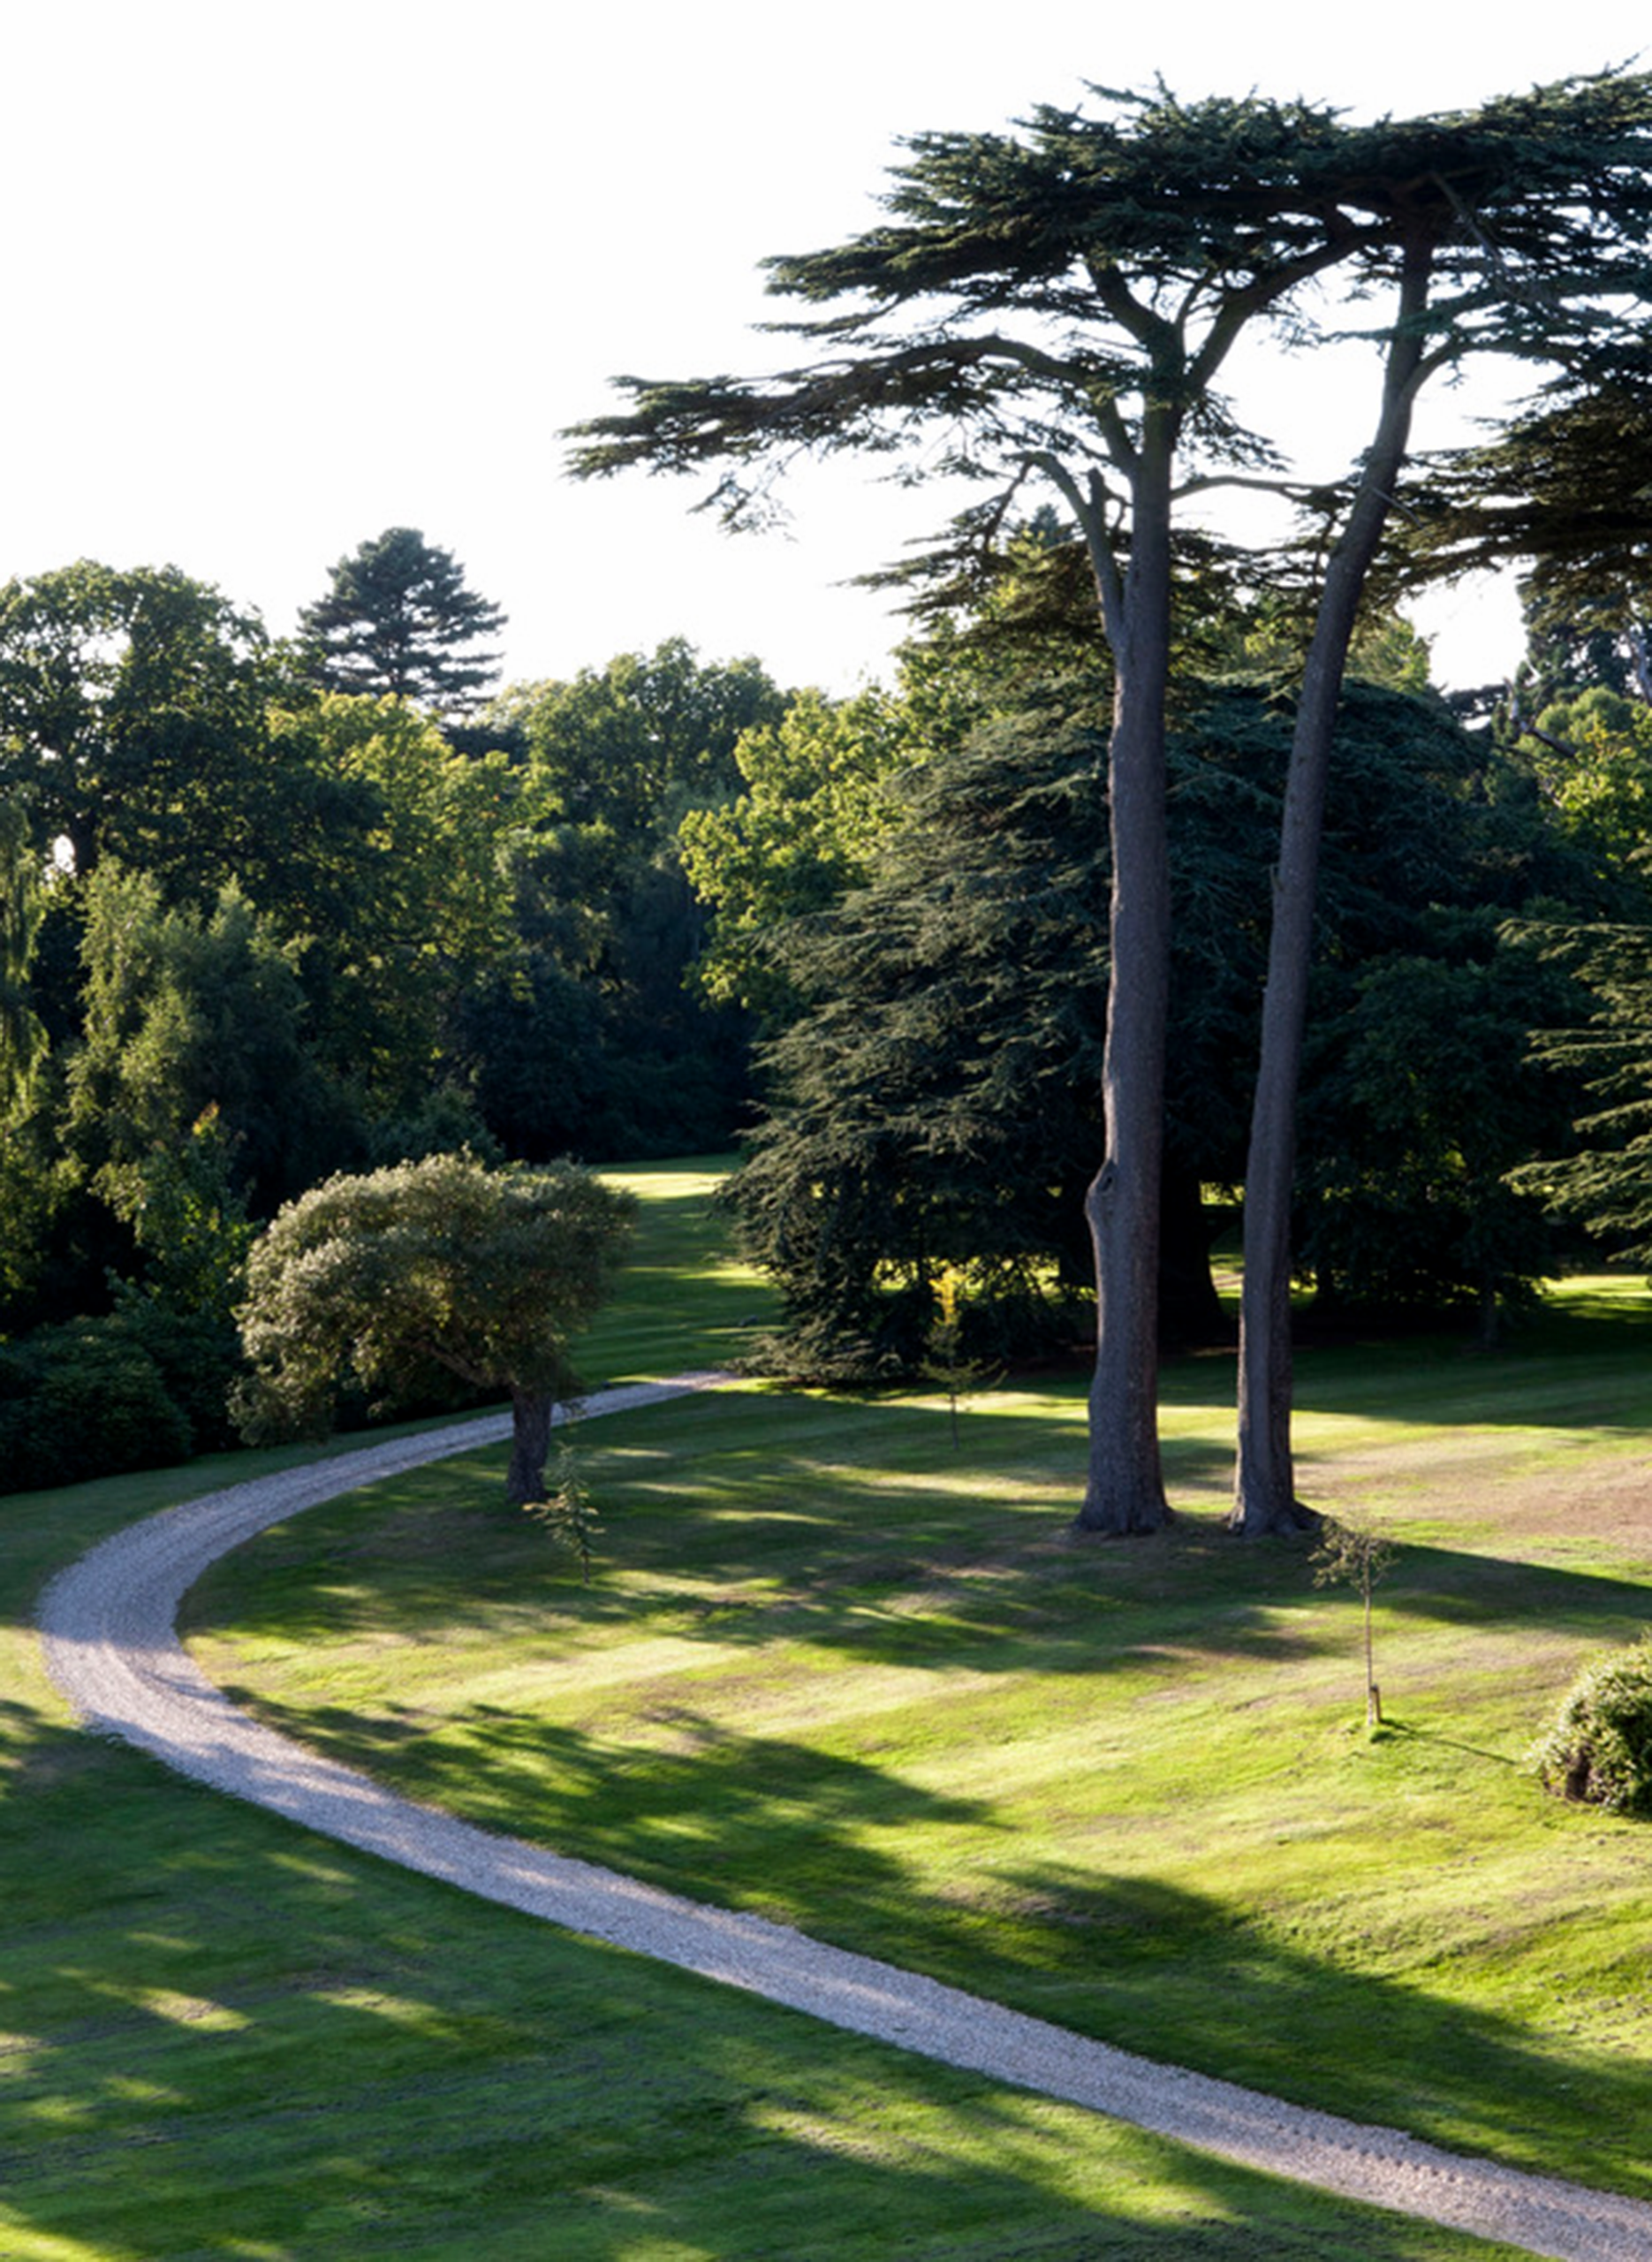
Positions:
{"x": 22, "y": 908}
{"x": 1356, "y": 1552}
{"x": 815, "y": 802}
{"x": 617, "y": 746}
{"x": 1606, "y": 1185}
{"x": 86, "y": 1399}
{"x": 420, "y": 901}
{"x": 1060, "y": 303}
{"x": 941, "y": 1018}
{"x": 945, "y": 1361}
{"x": 1600, "y": 1747}
{"x": 586, "y": 1040}
{"x": 1595, "y": 760}
{"x": 1563, "y": 488}
{"x": 398, "y": 622}
{"x": 190, "y": 1020}
{"x": 35, "y": 1187}
{"x": 1421, "y": 1094}
{"x": 936, "y": 1099}
{"x": 568, "y": 1513}
{"x": 820, "y": 792}
{"x": 130, "y": 714}
{"x": 433, "y": 1271}
{"x": 189, "y": 1219}
{"x": 1020, "y": 280}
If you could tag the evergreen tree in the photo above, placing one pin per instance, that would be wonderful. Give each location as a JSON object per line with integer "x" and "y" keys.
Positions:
{"x": 935, "y": 1101}
{"x": 1061, "y": 302}
{"x": 398, "y": 622}
{"x": 1567, "y": 489}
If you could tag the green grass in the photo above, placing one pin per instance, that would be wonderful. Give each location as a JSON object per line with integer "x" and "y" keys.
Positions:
{"x": 835, "y": 1671}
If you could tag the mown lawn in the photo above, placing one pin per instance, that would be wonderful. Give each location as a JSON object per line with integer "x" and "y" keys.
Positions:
{"x": 833, "y": 1669}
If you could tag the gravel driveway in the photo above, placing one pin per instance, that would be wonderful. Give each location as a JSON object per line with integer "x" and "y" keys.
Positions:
{"x": 108, "y": 1624}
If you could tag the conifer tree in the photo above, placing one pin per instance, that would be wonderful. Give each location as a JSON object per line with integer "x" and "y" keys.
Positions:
{"x": 1059, "y": 304}
{"x": 398, "y": 622}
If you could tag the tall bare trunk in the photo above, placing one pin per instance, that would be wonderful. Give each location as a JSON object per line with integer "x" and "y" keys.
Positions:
{"x": 1125, "y": 1492}
{"x": 1265, "y": 1481}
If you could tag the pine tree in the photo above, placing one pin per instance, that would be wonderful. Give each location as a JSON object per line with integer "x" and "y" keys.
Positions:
{"x": 399, "y": 622}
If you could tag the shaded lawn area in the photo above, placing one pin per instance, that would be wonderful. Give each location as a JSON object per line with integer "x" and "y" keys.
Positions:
{"x": 835, "y": 1671}
{"x": 219, "y": 2036}
{"x": 224, "y": 2036}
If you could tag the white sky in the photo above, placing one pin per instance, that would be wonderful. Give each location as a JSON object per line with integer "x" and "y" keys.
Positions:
{"x": 278, "y": 279}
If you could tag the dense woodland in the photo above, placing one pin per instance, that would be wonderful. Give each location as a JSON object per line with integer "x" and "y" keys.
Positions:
{"x": 268, "y": 917}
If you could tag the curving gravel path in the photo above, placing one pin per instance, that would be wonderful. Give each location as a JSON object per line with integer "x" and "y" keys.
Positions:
{"x": 108, "y": 1625}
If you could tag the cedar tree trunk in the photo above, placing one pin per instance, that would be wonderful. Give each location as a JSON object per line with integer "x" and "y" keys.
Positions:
{"x": 1265, "y": 1496}
{"x": 1125, "y": 1492}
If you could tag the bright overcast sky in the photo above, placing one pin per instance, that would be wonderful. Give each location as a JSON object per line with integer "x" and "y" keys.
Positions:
{"x": 278, "y": 277}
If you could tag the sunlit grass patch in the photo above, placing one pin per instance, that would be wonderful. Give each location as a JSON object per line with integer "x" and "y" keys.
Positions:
{"x": 835, "y": 1668}
{"x": 839, "y": 1671}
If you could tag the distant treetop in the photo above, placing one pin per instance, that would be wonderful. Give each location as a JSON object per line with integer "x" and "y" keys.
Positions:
{"x": 399, "y": 622}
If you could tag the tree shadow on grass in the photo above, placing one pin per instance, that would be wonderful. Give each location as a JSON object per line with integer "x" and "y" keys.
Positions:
{"x": 225, "y": 2035}
{"x": 1469, "y": 1590}
{"x": 772, "y": 1824}
{"x": 684, "y": 1801}
{"x": 755, "y": 1526}
{"x": 1570, "y": 1370}
{"x": 1174, "y": 1976}
{"x": 731, "y": 1527}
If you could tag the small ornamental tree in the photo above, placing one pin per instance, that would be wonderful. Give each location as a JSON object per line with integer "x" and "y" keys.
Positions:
{"x": 959, "y": 1377}
{"x": 1357, "y": 1554}
{"x": 437, "y": 1268}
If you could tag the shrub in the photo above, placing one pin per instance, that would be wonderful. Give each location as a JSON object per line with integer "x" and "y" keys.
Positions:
{"x": 198, "y": 1357}
{"x": 1600, "y": 1747}
{"x": 85, "y": 1399}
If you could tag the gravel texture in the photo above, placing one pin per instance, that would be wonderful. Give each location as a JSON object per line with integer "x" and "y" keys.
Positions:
{"x": 108, "y": 1624}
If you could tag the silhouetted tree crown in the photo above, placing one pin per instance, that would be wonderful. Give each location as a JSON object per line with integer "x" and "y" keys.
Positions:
{"x": 399, "y": 622}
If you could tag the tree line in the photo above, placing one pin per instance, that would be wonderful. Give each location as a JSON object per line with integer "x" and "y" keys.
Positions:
{"x": 270, "y": 912}
{"x": 665, "y": 903}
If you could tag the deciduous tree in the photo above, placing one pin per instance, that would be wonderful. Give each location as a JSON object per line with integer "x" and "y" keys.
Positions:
{"x": 132, "y": 716}
{"x": 438, "y": 1268}
{"x": 589, "y": 1042}
{"x": 188, "y": 1016}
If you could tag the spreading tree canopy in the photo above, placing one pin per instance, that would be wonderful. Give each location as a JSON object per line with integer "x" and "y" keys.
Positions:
{"x": 398, "y": 622}
{"x": 1058, "y": 304}
{"x": 437, "y": 1269}
{"x": 132, "y": 710}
